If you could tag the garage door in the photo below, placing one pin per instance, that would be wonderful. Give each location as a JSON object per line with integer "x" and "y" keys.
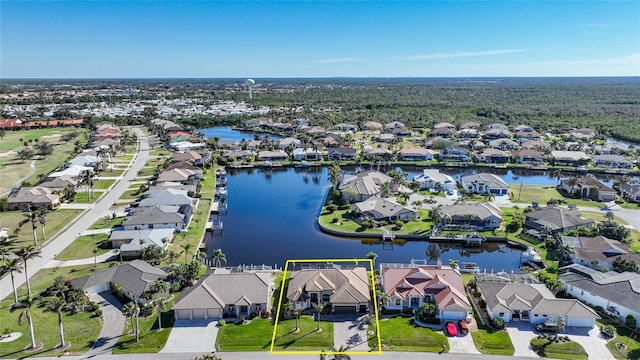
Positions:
{"x": 214, "y": 313}
{"x": 344, "y": 309}
{"x": 198, "y": 314}
{"x": 96, "y": 289}
{"x": 183, "y": 314}
{"x": 583, "y": 322}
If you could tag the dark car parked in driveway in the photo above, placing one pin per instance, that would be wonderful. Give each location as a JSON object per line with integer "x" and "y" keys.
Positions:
{"x": 544, "y": 327}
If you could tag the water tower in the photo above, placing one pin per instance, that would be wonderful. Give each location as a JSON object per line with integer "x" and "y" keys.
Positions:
{"x": 250, "y": 83}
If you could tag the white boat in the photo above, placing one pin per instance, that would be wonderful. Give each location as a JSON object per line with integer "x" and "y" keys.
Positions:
{"x": 532, "y": 254}
{"x": 303, "y": 164}
{"x": 469, "y": 268}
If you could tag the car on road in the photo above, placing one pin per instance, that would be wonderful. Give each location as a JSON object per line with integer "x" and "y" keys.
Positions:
{"x": 464, "y": 327}
{"x": 451, "y": 329}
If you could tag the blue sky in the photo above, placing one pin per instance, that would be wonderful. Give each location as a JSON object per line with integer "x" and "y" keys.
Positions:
{"x": 237, "y": 39}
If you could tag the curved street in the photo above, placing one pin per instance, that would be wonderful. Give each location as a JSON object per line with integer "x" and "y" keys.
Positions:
{"x": 87, "y": 218}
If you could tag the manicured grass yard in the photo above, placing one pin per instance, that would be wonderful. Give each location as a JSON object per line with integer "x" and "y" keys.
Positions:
{"x": 111, "y": 173}
{"x": 151, "y": 340}
{"x": 307, "y": 339}
{"x": 492, "y": 342}
{"x": 103, "y": 184}
{"x": 563, "y": 350}
{"x": 107, "y": 224}
{"x": 82, "y": 247}
{"x": 81, "y": 329}
{"x": 254, "y": 336}
{"x": 398, "y": 334}
{"x": 624, "y": 336}
{"x": 56, "y": 220}
{"x": 542, "y": 194}
{"x": 130, "y": 195}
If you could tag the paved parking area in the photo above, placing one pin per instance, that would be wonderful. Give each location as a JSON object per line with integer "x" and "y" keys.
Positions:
{"x": 593, "y": 343}
{"x": 192, "y": 336}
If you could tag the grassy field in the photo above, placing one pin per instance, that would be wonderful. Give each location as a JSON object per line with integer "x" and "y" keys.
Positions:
{"x": 11, "y": 139}
{"x": 56, "y": 220}
{"x": 107, "y": 223}
{"x": 542, "y": 194}
{"x": 103, "y": 184}
{"x": 82, "y": 247}
{"x": 563, "y": 350}
{"x": 14, "y": 169}
{"x": 398, "y": 334}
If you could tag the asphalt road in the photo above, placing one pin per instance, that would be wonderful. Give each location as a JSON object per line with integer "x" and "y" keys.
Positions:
{"x": 86, "y": 219}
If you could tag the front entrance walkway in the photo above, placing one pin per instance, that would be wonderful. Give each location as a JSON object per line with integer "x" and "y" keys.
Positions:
{"x": 349, "y": 331}
{"x": 112, "y": 324}
{"x": 192, "y": 336}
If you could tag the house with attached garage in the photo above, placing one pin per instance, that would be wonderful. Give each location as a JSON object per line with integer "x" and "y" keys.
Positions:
{"x": 555, "y": 219}
{"x": 630, "y": 191}
{"x": 342, "y": 290}
{"x": 411, "y": 285}
{"x": 131, "y": 242}
{"x": 484, "y": 183}
{"x": 434, "y": 179}
{"x": 522, "y": 297}
{"x": 477, "y": 216}
{"x": 588, "y": 187}
{"x": 612, "y": 161}
{"x": 363, "y": 185}
{"x": 222, "y": 293}
{"x": 135, "y": 277}
{"x": 598, "y": 251}
{"x": 341, "y": 153}
{"x": 37, "y": 197}
{"x": 571, "y": 158}
{"x": 618, "y": 294}
{"x": 156, "y": 217}
{"x": 416, "y": 154}
{"x": 379, "y": 209}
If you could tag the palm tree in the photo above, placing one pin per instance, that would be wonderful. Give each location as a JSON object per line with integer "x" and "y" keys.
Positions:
{"x": 334, "y": 175}
{"x": 288, "y": 308}
{"x": 10, "y": 266}
{"x": 383, "y": 298}
{"x": 561, "y": 324}
{"x": 160, "y": 304}
{"x": 187, "y": 248}
{"x": 436, "y": 214}
{"x": 372, "y": 256}
{"x": 172, "y": 256}
{"x": 565, "y": 252}
{"x": 319, "y": 307}
{"x": 572, "y": 182}
{"x": 453, "y": 263}
{"x": 86, "y": 178}
{"x": 218, "y": 257}
{"x": 42, "y": 218}
{"x": 56, "y": 304}
{"x": 27, "y": 254}
{"x": 397, "y": 178}
{"x": 433, "y": 251}
{"x": 25, "y": 305}
{"x": 32, "y": 217}
{"x": 129, "y": 310}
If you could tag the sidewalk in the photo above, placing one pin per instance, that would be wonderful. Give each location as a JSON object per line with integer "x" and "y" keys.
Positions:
{"x": 100, "y": 258}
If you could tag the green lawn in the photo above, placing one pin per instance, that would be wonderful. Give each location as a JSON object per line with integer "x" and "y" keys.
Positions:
{"x": 11, "y": 139}
{"x": 107, "y": 224}
{"x": 110, "y": 173}
{"x": 492, "y": 342}
{"x": 82, "y": 247}
{"x": 130, "y": 195}
{"x": 55, "y": 220}
{"x": 624, "y": 336}
{"x": 542, "y": 194}
{"x": 150, "y": 340}
{"x": 307, "y": 339}
{"x": 81, "y": 329}
{"x": 83, "y": 198}
{"x": 398, "y": 334}
{"x": 563, "y": 350}
{"x": 103, "y": 184}
{"x": 254, "y": 336}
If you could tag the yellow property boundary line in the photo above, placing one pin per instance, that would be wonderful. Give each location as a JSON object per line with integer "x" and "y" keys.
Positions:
{"x": 375, "y": 307}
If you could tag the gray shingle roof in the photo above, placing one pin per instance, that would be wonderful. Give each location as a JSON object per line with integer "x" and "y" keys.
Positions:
{"x": 135, "y": 277}
{"x": 346, "y": 286}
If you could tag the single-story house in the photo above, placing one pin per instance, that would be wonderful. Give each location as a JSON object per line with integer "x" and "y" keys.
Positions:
{"x": 536, "y": 145}
{"x": 497, "y": 133}
{"x": 572, "y": 158}
{"x": 498, "y": 126}
{"x": 58, "y": 183}
{"x": 190, "y": 156}
{"x": 378, "y": 153}
{"x": 468, "y": 133}
{"x": 184, "y": 146}
{"x": 341, "y": 153}
{"x": 589, "y": 187}
{"x": 384, "y": 138}
{"x": 380, "y": 209}
{"x": 393, "y": 125}
{"x": 470, "y": 125}
{"x": 131, "y": 242}
{"x": 617, "y": 294}
{"x": 73, "y": 171}
{"x": 372, "y": 125}
{"x": 363, "y": 185}
{"x": 630, "y": 191}
{"x": 156, "y": 217}
{"x": 237, "y": 154}
{"x": 434, "y": 179}
{"x": 494, "y": 156}
{"x": 453, "y": 154}
{"x": 307, "y": 154}
{"x": 272, "y": 156}
{"x": 555, "y": 219}
{"x": 527, "y": 156}
{"x": 135, "y": 277}
{"x": 346, "y": 127}
{"x": 612, "y": 161}
{"x": 416, "y": 154}
{"x": 597, "y": 252}
{"x": 411, "y": 285}
{"x": 185, "y": 176}
{"x": 344, "y": 291}
{"x": 289, "y": 141}
{"x": 508, "y": 297}
{"x": 222, "y": 293}
{"x": 444, "y": 132}
{"x": 483, "y": 215}
{"x": 37, "y": 197}
{"x": 523, "y": 128}
{"x": 444, "y": 124}
{"x": 85, "y": 160}
{"x": 484, "y": 183}
{"x": 504, "y": 144}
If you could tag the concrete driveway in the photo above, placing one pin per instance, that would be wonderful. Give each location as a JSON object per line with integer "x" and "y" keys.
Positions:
{"x": 521, "y": 334}
{"x": 591, "y": 340}
{"x": 192, "y": 336}
{"x": 462, "y": 344}
{"x": 113, "y": 323}
{"x": 350, "y": 331}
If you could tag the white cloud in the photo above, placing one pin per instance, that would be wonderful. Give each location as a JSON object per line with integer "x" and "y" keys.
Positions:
{"x": 337, "y": 60}
{"x": 631, "y": 59}
{"x": 458, "y": 54}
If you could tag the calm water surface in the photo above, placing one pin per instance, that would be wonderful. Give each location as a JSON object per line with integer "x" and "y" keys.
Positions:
{"x": 227, "y": 133}
{"x": 272, "y": 218}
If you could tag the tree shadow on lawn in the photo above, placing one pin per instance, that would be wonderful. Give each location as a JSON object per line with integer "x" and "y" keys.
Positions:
{"x": 36, "y": 353}
{"x": 292, "y": 341}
